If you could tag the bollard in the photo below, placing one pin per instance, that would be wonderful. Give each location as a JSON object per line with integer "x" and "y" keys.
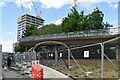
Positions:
{"x": 37, "y": 72}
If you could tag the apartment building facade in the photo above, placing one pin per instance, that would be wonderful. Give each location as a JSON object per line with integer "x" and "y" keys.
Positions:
{"x": 25, "y": 20}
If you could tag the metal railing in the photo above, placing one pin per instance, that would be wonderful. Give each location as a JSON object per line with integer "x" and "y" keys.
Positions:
{"x": 86, "y": 33}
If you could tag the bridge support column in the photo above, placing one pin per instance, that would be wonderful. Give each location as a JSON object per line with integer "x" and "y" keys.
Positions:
{"x": 26, "y": 48}
{"x": 117, "y": 50}
{"x": 56, "y": 54}
{"x": 118, "y": 58}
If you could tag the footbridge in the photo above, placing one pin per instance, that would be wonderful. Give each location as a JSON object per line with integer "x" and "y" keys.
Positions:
{"x": 75, "y": 38}
{"x": 77, "y": 43}
{"x": 81, "y": 38}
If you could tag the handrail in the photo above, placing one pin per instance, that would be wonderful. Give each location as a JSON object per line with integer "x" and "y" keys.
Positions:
{"x": 86, "y": 33}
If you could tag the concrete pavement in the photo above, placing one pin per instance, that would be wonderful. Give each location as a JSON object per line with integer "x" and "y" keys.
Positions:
{"x": 51, "y": 73}
{"x": 48, "y": 73}
{"x": 10, "y": 74}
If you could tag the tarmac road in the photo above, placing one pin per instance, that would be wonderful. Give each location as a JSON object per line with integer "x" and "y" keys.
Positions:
{"x": 12, "y": 75}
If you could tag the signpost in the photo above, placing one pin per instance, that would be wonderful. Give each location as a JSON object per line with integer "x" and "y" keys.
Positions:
{"x": 86, "y": 54}
{"x": 35, "y": 62}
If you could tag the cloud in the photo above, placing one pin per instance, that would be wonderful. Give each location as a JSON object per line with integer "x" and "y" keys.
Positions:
{"x": 60, "y": 3}
{"x": 2, "y": 3}
{"x": 9, "y": 33}
{"x": 7, "y": 46}
{"x": 57, "y": 22}
{"x": 88, "y": 4}
{"x": 55, "y": 3}
{"x": 83, "y": 3}
{"x": 25, "y": 3}
{"x": 112, "y": 5}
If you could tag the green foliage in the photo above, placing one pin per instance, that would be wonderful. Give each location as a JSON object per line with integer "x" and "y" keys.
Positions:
{"x": 31, "y": 31}
{"x": 74, "y": 21}
{"x": 71, "y": 22}
{"x": 20, "y": 48}
{"x": 50, "y": 29}
{"x": 89, "y": 79}
{"x": 78, "y": 21}
{"x": 46, "y": 29}
{"x": 107, "y": 25}
{"x": 96, "y": 19}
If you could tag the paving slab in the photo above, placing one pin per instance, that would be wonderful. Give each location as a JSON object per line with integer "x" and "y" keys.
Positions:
{"x": 51, "y": 73}
{"x": 10, "y": 74}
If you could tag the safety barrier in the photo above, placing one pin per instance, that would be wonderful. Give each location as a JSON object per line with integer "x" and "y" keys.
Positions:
{"x": 37, "y": 72}
{"x": 86, "y": 33}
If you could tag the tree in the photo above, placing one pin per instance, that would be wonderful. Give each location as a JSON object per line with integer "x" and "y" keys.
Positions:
{"x": 50, "y": 29}
{"x": 71, "y": 22}
{"x": 96, "y": 19}
{"x": 79, "y": 22}
{"x": 31, "y": 31}
{"x": 20, "y": 48}
{"x": 107, "y": 25}
{"x": 84, "y": 22}
{"x": 74, "y": 21}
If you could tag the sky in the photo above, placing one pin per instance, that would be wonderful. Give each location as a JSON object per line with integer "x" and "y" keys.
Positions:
{"x": 52, "y": 11}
